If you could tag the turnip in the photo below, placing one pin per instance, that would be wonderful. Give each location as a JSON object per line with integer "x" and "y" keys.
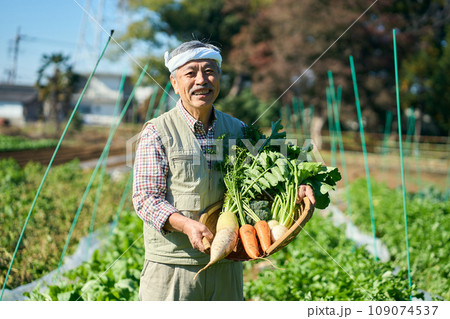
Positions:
{"x": 278, "y": 231}
{"x": 272, "y": 223}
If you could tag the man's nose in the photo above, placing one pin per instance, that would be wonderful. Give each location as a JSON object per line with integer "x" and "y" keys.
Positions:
{"x": 201, "y": 78}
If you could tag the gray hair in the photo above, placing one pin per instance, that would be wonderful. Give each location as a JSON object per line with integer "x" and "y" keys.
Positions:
{"x": 186, "y": 46}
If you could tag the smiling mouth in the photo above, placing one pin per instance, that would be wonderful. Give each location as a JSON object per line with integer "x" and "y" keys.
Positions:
{"x": 201, "y": 92}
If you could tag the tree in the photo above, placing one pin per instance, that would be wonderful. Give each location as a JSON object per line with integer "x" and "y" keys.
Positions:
{"x": 56, "y": 81}
{"x": 163, "y": 24}
{"x": 285, "y": 38}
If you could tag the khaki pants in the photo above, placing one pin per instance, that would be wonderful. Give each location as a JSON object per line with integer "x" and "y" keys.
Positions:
{"x": 222, "y": 281}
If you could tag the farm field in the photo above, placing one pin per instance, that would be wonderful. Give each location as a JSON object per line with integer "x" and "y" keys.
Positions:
{"x": 321, "y": 264}
{"x": 49, "y": 226}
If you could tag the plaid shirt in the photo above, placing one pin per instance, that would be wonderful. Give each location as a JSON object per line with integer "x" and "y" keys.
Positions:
{"x": 152, "y": 166}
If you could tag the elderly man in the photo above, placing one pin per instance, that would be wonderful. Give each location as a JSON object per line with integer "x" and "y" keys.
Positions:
{"x": 174, "y": 182}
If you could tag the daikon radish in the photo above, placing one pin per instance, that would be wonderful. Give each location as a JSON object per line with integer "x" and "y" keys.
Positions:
{"x": 225, "y": 240}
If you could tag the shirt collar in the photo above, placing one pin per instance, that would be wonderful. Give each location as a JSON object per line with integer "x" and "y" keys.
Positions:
{"x": 191, "y": 121}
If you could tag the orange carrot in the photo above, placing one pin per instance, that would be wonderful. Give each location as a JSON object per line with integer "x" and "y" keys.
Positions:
{"x": 248, "y": 238}
{"x": 263, "y": 232}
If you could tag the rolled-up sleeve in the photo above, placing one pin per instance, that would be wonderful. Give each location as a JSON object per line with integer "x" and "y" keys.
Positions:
{"x": 150, "y": 180}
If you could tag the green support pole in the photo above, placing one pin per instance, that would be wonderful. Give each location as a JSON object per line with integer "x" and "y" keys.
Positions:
{"x": 163, "y": 100}
{"x": 105, "y": 150}
{"x": 104, "y": 164}
{"x": 297, "y": 118}
{"x": 337, "y": 126}
{"x": 331, "y": 133}
{"x": 151, "y": 104}
{"x": 122, "y": 201}
{"x": 366, "y": 164}
{"x": 401, "y": 159}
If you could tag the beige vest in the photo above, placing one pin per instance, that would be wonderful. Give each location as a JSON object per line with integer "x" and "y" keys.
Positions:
{"x": 191, "y": 185}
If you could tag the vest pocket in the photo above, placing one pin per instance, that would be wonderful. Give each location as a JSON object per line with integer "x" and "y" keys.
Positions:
{"x": 187, "y": 202}
{"x": 184, "y": 167}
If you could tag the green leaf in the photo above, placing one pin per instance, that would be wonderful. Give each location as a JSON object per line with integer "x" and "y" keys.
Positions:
{"x": 264, "y": 183}
{"x": 126, "y": 284}
{"x": 272, "y": 179}
{"x": 276, "y": 171}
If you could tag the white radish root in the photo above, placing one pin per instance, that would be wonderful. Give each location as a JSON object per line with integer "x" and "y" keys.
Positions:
{"x": 225, "y": 240}
{"x": 277, "y": 231}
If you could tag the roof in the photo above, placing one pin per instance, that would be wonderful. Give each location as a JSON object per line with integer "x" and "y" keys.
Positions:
{"x": 17, "y": 93}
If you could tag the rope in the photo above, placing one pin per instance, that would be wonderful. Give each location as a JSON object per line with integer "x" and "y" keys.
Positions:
{"x": 401, "y": 159}
{"x": 366, "y": 164}
{"x": 51, "y": 161}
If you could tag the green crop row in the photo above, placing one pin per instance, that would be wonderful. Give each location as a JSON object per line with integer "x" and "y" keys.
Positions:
{"x": 17, "y": 143}
{"x": 48, "y": 227}
{"x": 428, "y": 215}
{"x": 320, "y": 264}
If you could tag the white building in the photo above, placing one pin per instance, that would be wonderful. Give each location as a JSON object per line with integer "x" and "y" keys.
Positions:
{"x": 99, "y": 101}
{"x": 18, "y": 104}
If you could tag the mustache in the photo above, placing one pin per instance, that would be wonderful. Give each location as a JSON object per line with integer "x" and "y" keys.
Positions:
{"x": 200, "y": 87}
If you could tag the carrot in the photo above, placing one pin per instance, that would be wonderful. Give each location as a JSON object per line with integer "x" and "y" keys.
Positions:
{"x": 225, "y": 240}
{"x": 247, "y": 234}
{"x": 263, "y": 232}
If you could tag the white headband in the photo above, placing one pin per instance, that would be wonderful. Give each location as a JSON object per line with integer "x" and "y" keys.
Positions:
{"x": 194, "y": 54}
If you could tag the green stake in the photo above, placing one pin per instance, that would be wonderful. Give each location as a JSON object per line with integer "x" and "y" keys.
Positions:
{"x": 162, "y": 102}
{"x": 303, "y": 118}
{"x": 51, "y": 162}
{"x": 342, "y": 155}
{"x": 297, "y": 118}
{"x": 363, "y": 142}
{"x": 331, "y": 97}
{"x": 130, "y": 178}
{"x": 447, "y": 184}
{"x": 151, "y": 104}
{"x": 310, "y": 117}
{"x": 293, "y": 118}
{"x": 409, "y": 134}
{"x": 387, "y": 132}
{"x": 94, "y": 173}
{"x": 122, "y": 201}
{"x": 285, "y": 117}
{"x": 401, "y": 158}
{"x": 330, "y": 127}
{"x": 102, "y": 172}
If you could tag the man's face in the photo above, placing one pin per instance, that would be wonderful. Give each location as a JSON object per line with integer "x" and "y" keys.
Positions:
{"x": 198, "y": 83}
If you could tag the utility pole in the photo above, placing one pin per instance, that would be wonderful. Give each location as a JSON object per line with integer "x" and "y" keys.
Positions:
{"x": 13, "y": 71}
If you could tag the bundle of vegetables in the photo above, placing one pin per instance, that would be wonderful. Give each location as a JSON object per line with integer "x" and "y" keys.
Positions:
{"x": 261, "y": 191}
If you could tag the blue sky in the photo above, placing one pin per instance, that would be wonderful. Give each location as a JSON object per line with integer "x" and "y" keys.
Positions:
{"x": 54, "y": 26}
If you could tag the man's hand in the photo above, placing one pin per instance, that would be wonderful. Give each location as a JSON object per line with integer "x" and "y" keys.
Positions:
{"x": 306, "y": 190}
{"x": 193, "y": 229}
{"x": 196, "y": 231}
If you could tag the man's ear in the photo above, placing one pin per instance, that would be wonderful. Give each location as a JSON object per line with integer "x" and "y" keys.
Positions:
{"x": 174, "y": 84}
